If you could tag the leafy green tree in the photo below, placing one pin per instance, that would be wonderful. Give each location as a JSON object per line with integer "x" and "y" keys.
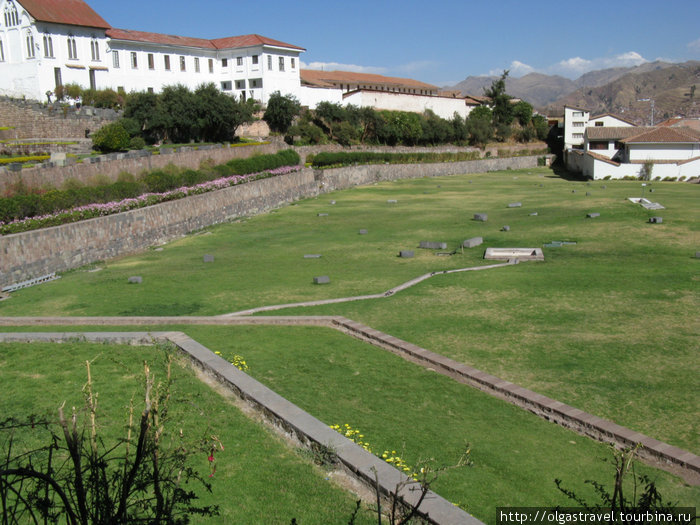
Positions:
{"x": 218, "y": 115}
{"x": 541, "y": 127}
{"x": 479, "y": 126}
{"x": 144, "y": 109}
{"x": 435, "y": 130}
{"x": 460, "y": 132}
{"x": 500, "y": 101}
{"x": 522, "y": 111}
{"x": 280, "y": 111}
{"x": 177, "y": 105}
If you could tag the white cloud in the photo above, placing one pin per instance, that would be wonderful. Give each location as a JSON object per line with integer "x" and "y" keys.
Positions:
{"x": 413, "y": 67}
{"x": 694, "y": 45}
{"x": 332, "y": 66}
{"x": 576, "y": 66}
{"x": 519, "y": 69}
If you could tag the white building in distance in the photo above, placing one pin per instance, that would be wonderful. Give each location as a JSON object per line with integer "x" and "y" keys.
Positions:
{"x": 380, "y": 92}
{"x": 49, "y": 43}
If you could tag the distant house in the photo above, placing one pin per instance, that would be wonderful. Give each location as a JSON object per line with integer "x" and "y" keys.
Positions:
{"x": 49, "y": 43}
{"x": 380, "y": 92}
{"x": 619, "y": 152}
{"x": 576, "y": 120}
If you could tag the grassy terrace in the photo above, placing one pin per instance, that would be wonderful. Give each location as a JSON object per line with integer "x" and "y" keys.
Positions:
{"x": 608, "y": 325}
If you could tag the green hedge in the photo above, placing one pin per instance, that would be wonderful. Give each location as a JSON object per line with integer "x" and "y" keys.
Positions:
{"x": 343, "y": 158}
{"x": 157, "y": 181}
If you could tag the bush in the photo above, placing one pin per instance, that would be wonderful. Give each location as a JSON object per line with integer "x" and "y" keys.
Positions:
{"x": 112, "y": 137}
{"x": 137, "y": 143}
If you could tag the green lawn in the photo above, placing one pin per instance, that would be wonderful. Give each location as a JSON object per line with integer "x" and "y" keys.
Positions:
{"x": 259, "y": 479}
{"x": 608, "y": 325}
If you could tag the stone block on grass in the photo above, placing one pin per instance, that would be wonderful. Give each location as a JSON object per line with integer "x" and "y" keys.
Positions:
{"x": 473, "y": 242}
{"x": 430, "y": 245}
{"x": 135, "y": 279}
{"x": 593, "y": 215}
{"x": 406, "y": 254}
{"x": 482, "y": 217}
{"x": 363, "y": 232}
{"x": 515, "y": 204}
{"x": 656, "y": 220}
{"x": 208, "y": 258}
{"x": 505, "y": 228}
{"x": 322, "y": 279}
{"x": 312, "y": 256}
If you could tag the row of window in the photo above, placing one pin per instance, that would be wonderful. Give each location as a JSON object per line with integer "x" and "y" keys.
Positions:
{"x": 150, "y": 57}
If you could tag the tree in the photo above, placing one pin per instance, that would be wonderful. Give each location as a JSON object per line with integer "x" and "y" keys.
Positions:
{"x": 541, "y": 127}
{"x": 500, "y": 101}
{"x": 479, "y": 126}
{"x": 177, "y": 106}
{"x": 280, "y": 111}
{"x": 522, "y": 111}
{"x": 111, "y": 137}
{"x": 144, "y": 109}
{"x": 219, "y": 115}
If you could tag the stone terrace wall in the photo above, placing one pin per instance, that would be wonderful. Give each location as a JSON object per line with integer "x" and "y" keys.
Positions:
{"x": 33, "y": 254}
{"x": 34, "y": 120}
{"x": 59, "y": 248}
{"x": 133, "y": 162}
{"x": 342, "y": 178}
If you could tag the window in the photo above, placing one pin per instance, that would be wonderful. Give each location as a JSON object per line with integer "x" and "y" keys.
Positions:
{"x": 578, "y": 135}
{"x": 151, "y": 61}
{"x": 115, "y": 59}
{"x": 281, "y": 61}
{"x": 269, "y": 63}
{"x": 577, "y": 124}
{"x": 196, "y": 64}
{"x": 150, "y": 90}
{"x": 134, "y": 60}
{"x": 598, "y": 144}
{"x": 577, "y": 114}
{"x": 226, "y": 85}
{"x": 2, "y": 52}
{"x": 11, "y": 16}
{"x": 166, "y": 62}
{"x": 255, "y": 60}
{"x": 294, "y": 64}
{"x": 224, "y": 62}
{"x": 240, "y": 84}
{"x": 48, "y": 46}
{"x": 619, "y": 145}
{"x": 599, "y": 124}
{"x": 182, "y": 64}
{"x": 95, "y": 50}
{"x": 30, "y": 44}
{"x": 253, "y": 83}
{"x": 239, "y": 61}
{"x": 211, "y": 65}
{"x": 72, "y": 49}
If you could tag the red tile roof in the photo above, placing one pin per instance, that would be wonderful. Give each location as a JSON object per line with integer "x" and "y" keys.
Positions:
{"x": 662, "y": 135}
{"x": 70, "y": 12}
{"x": 250, "y": 40}
{"x": 314, "y": 77}
{"x": 158, "y": 38}
{"x": 219, "y": 43}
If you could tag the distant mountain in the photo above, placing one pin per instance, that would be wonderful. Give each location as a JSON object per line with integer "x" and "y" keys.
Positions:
{"x": 630, "y": 95}
{"x": 614, "y": 90}
{"x": 538, "y": 89}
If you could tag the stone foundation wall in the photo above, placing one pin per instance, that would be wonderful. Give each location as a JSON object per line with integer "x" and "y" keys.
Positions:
{"x": 34, "y": 120}
{"x": 134, "y": 162}
{"x": 35, "y": 253}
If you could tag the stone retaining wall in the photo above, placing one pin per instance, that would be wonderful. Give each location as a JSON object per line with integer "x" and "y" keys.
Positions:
{"x": 35, "y": 120}
{"x": 134, "y": 162}
{"x": 35, "y": 253}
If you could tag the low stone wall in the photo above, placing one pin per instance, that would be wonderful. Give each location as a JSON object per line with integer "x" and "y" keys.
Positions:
{"x": 35, "y": 253}
{"x": 59, "y": 248}
{"x": 342, "y": 178}
{"x": 134, "y": 162}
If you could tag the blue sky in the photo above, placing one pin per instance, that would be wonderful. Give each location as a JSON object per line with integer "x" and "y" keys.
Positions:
{"x": 439, "y": 42}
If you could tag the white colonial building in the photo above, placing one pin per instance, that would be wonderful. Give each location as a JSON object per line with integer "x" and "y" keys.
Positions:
{"x": 48, "y": 43}
{"x": 576, "y": 120}
{"x": 380, "y": 92}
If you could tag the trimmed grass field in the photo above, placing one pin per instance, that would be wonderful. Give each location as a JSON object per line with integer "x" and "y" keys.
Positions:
{"x": 608, "y": 325}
